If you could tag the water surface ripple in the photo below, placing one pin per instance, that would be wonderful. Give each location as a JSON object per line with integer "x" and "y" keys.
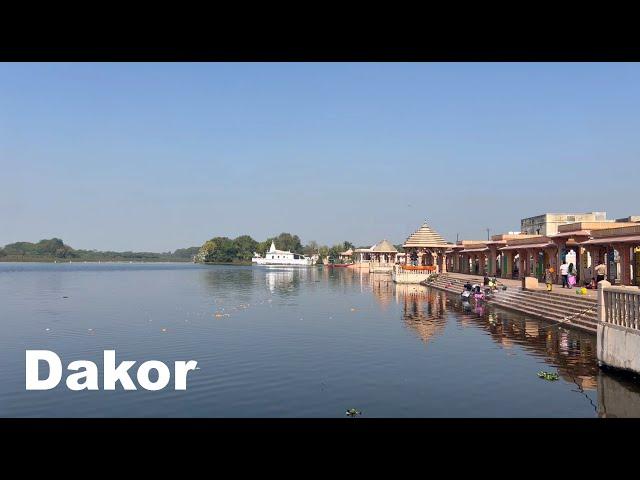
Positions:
{"x": 291, "y": 343}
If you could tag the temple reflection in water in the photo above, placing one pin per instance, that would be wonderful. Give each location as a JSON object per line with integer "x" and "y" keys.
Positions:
{"x": 426, "y": 312}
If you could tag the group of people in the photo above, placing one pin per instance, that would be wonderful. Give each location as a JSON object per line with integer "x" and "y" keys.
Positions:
{"x": 475, "y": 290}
{"x": 472, "y": 291}
{"x": 569, "y": 275}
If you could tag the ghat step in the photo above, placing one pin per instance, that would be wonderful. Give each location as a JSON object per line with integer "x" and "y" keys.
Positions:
{"x": 563, "y": 306}
{"x": 547, "y": 306}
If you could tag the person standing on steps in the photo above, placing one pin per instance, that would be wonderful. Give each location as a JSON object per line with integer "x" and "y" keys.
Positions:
{"x": 601, "y": 269}
{"x": 564, "y": 271}
{"x": 548, "y": 277}
{"x": 572, "y": 276}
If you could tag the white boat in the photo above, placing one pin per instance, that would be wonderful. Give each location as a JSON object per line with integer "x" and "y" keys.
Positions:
{"x": 281, "y": 257}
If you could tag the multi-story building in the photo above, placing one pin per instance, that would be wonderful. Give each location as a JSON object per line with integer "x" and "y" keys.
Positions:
{"x": 547, "y": 223}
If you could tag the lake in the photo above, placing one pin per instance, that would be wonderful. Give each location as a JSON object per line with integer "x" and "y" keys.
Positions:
{"x": 308, "y": 342}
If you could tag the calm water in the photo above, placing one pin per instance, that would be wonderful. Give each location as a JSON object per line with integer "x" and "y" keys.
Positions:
{"x": 291, "y": 343}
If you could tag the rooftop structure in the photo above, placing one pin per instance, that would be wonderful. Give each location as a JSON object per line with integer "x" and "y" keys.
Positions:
{"x": 632, "y": 218}
{"x": 425, "y": 237}
{"x": 548, "y": 223}
{"x": 384, "y": 247}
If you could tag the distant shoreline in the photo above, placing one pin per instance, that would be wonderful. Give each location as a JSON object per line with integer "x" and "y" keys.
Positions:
{"x": 40, "y": 260}
{"x": 62, "y": 261}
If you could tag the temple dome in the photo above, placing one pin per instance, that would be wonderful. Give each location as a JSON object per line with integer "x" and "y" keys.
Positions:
{"x": 384, "y": 247}
{"x": 425, "y": 236}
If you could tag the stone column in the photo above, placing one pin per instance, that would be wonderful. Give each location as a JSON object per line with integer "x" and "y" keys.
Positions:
{"x": 444, "y": 263}
{"x": 557, "y": 263}
{"x": 507, "y": 263}
{"x": 601, "y": 310}
{"x": 625, "y": 264}
{"x": 493, "y": 260}
{"x": 593, "y": 254}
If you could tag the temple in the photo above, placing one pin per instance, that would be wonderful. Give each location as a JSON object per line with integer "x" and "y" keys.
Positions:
{"x": 425, "y": 253}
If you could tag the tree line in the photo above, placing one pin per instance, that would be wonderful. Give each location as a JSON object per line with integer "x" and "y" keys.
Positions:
{"x": 215, "y": 250}
{"x": 241, "y": 249}
{"x": 55, "y": 249}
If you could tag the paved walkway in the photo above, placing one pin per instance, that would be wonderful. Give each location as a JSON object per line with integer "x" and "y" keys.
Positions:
{"x": 518, "y": 284}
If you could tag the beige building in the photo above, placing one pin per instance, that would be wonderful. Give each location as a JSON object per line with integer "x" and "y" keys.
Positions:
{"x": 548, "y": 223}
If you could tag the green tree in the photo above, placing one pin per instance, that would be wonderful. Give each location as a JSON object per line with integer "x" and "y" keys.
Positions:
{"x": 335, "y": 251}
{"x": 284, "y": 241}
{"x": 221, "y": 249}
{"x": 311, "y": 248}
{"x": 185, "y": 253}
{"x": 205, "y": 254}
{"x": 245, "y": 246}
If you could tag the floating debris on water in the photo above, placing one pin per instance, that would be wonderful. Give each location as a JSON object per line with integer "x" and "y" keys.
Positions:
{"x": 47, "y": 329}
{"x": 353, "y": 309}
{"x": 352, "y": 412}
{"x": 164, "y": 330}
{"x": 65, "y": 297}
{"x": 548, "y": 376}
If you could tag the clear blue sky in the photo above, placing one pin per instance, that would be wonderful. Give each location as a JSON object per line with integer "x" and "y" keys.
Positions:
{"x": 162, "y": 156}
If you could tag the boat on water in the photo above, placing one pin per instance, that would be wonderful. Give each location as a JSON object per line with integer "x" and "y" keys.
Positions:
{"x": 275, "y": 257}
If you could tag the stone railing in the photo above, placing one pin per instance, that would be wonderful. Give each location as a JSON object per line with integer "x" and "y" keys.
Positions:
{"x": 620, "y": 306}
{"x": 418, "y": 268}
{"x": 412, "y": 274}
{"x": 618, "y": 340}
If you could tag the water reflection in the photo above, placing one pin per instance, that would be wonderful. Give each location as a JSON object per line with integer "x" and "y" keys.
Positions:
{"x": 617, "y": 397}
{"x": 383, "y": 289}
{"x": 422, "y": 310}
{"x": 281, "y": 280}
{"x": 572, "y": 353}
{"x": 295, "y": 342}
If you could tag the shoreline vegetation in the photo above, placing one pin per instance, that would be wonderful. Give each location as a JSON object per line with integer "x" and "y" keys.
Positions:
{"x": 216, "y": 251}
{"x": 240, "y": 250}
{"x": 55, "y": 250}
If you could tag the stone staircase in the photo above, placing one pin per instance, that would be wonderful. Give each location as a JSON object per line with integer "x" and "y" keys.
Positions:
{"x": 549, "y": 306}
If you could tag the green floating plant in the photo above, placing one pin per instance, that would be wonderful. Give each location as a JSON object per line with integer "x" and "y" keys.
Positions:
{"x": 352, "y": 412}
{"x": 548, "y": 375}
